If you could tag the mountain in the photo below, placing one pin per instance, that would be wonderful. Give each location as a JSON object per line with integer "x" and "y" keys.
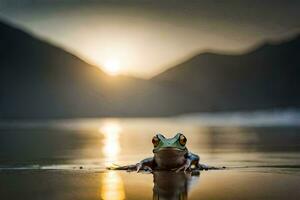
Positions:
{"x": 40, "y": 80}
{"x": 264, "y": 78}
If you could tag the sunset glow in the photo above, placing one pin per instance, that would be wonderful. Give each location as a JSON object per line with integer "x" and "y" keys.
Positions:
{"x": 112, "y": 66}
{"x": 143, "y": 38}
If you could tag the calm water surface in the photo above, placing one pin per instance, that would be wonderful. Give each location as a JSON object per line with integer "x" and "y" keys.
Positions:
{"x": 66, "y": 160}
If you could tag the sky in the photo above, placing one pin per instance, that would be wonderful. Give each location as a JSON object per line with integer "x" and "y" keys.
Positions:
{"x": 142, "y": 38}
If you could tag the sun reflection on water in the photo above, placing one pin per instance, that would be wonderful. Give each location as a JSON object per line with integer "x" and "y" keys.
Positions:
{"x": 111, "y": 144}
{"x": 112, "y": 187}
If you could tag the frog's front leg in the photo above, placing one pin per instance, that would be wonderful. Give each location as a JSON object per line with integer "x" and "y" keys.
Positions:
{"x": 146, "y": 164}
{"x": 191, "y": 160}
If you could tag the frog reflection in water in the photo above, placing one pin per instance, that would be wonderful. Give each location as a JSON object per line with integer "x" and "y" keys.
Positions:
{"x": 170, "y": 185}
{"x": 170, "y": 154}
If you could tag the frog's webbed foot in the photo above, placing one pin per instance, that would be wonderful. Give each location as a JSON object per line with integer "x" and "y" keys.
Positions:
{"x": 141, "y": 166}
{"x": 145, "y": 168}
{"x": 203, "y": 167}
{"x": 185, "y": 167}
{"x": 146, "y": 165}
{"x": 191, "y": 162}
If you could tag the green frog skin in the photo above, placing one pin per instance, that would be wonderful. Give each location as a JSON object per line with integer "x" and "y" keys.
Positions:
{"x": 169, "y": 154}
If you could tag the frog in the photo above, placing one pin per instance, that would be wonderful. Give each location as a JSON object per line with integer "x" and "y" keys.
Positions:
{"x": 170, "y": 154}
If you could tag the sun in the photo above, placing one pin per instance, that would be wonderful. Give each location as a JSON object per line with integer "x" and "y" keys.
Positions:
{"x": 112, "y": 66}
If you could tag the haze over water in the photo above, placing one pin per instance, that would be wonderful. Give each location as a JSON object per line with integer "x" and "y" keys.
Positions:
{"x": 44, "y": 160}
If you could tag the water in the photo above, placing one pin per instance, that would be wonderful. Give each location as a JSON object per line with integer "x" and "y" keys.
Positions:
{"x": 67, "y": 159}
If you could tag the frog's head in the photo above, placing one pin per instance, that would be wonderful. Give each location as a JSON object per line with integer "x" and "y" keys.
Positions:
{"x": 175, "y": 143}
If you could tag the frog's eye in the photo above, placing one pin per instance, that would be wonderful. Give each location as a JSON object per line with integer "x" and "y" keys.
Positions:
{"x": 155, "y": 141}
{"x": 182, "y": 140}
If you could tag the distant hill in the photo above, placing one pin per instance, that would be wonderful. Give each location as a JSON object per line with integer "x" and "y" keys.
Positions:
{"x": 266, "y": 77}
{"x": 39, "y": 80}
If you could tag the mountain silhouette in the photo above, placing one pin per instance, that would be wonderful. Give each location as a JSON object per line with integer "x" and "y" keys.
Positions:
{"x": 39, "y": 80}
{"x": 264, "y": 78}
